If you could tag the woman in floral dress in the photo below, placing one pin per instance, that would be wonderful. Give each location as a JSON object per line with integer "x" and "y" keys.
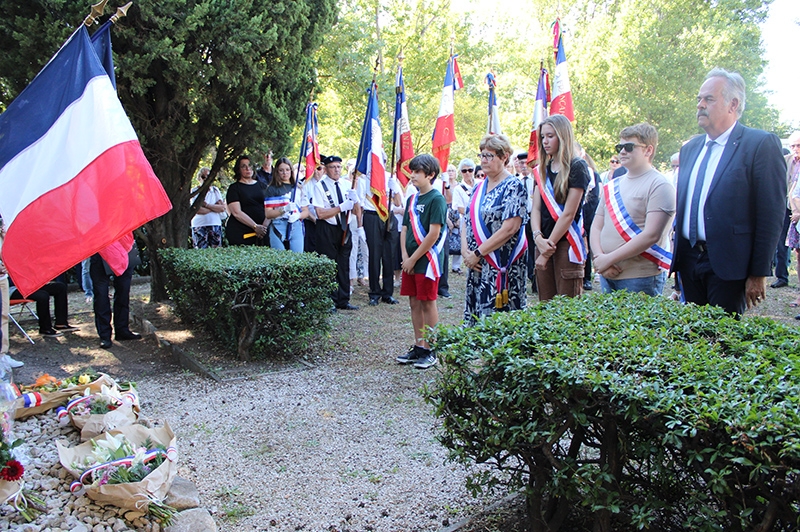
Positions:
{"x": 493, "y": 242}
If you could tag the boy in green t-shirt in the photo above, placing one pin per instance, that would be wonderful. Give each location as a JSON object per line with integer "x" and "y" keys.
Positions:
{"x": 422, "y": 238}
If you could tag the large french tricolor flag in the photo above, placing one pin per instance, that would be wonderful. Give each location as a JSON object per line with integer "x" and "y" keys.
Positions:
{"x": 310, "y": 145}
{"x": 539, "y": 114}
{"x": 401, "y": 136}
{"x": 444, "y": 134}
{"x": 562, "y": 93}
{"x": 493, "y": 127}
{"x": 371, "y": 159}
{"x": 72, "y": 172}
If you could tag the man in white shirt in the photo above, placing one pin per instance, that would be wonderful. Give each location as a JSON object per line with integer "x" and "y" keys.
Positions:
{"x": 334, "y": 200}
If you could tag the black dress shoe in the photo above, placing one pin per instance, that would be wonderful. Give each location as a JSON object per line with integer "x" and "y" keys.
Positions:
{"x": 105, "y": 344}
{"x": 797, "y": 317}
{"x": 347, "y": 306}
{"x": 587, "y": 285}
{"x": 780, "y": 283}
{"x": 122, "y": 337}
{"x": 389, "y": 300}
{"x": 373, "y": 301}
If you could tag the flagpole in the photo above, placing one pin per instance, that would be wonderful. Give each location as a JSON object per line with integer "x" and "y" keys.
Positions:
{"x": 95, "y": 13}
{"x": 299, "y": 162}
{"x": 394, "y": 133}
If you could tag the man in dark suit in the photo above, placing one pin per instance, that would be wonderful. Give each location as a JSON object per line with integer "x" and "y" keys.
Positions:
{"x": 731, "y": 202}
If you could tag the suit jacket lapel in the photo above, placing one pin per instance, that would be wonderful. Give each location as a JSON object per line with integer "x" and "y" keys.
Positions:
{"x": 685, "y": 171}
{"x": 727, "y": 155}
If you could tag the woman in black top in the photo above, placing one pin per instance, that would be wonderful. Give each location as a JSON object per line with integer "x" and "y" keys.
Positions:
{"x": 246, "y": 203}
{"x": 560, "y": 248}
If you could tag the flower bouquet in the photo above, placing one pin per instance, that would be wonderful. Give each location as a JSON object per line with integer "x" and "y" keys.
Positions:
{"x": 132, "y": 467}
{"x": 11, "y": 469}
{"x": 48, "y": 392}
{"x": 96, "y": 413}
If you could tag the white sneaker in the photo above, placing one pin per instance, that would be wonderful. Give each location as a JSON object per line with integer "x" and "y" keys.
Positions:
{"x": 12, "y": 362}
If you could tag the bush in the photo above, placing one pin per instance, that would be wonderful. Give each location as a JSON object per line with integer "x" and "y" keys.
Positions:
{"x": 628, "y": 412}
{"x": 255, "y": 300}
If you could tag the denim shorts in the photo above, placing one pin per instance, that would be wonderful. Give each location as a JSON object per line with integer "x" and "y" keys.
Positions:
{"x": 652, "y": 286}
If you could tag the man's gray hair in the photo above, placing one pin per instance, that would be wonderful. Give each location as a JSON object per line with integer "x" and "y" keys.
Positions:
{"x": 734, "y": 87}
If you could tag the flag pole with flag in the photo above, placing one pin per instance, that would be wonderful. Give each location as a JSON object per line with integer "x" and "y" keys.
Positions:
{"x": 401, "y": 134}
{"x": 539, "y": 113}
{"x": 493, "y": 127}
{"x": 74, "y": 178}
{"x": 309, "y": 149}
{"x": 444, "y": 134}
{"x": 371, "y": 160}
{"x": 562, "y": 93}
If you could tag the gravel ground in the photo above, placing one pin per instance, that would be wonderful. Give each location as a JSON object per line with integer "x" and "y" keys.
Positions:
{"x": 344, "y": 442}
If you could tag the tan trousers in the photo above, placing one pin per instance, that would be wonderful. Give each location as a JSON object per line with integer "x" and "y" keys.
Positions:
{"x": 561, "y": 277}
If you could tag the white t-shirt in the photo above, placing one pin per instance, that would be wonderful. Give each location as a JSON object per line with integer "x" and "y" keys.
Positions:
{"x": 212, "y": 218}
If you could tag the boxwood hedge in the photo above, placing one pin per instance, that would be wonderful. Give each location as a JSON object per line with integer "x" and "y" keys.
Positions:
{"x": 628, "y": 412}
{"x": 255, "y": 300}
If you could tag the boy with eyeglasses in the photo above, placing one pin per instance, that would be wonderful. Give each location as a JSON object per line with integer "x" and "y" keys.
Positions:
{"x": 630, "y": 232}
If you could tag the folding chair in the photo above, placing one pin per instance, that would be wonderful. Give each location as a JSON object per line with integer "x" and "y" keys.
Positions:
{"x": 23, "y": 305}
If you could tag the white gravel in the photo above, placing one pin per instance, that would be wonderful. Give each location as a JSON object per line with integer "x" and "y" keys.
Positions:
{"x": 332, "y": 448}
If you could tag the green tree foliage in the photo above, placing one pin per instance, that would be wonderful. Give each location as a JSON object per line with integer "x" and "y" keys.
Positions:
{"x": 192, "y": 75}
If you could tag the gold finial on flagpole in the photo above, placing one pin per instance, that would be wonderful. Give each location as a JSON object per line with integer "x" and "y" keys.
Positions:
{"x": 400, "y": 57}
{"x": 121, "y": 12}
{"x": 97, "y": 10}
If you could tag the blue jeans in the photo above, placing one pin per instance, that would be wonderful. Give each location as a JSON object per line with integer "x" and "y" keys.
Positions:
{"x": 652, "y": 286}
{"x": 296, "y": 238}
{"x": 86, "y": 278}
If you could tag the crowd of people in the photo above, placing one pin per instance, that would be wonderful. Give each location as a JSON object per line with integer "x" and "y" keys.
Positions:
{"x": 720, "y": 223}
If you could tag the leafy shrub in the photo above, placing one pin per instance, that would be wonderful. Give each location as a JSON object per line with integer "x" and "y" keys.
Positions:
{"x": 628, "y": 412}
{"x": 255, "y": 300}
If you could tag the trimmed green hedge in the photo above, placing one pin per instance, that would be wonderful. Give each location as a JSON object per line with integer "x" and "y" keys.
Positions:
{"x": 257, "y": 301}
{"x": 628, "y": 413}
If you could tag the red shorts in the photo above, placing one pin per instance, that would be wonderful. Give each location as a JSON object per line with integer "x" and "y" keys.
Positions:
{"x": 420, "y": 287}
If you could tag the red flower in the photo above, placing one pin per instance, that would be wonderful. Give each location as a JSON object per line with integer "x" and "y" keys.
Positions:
{"x": 12, "y": 471}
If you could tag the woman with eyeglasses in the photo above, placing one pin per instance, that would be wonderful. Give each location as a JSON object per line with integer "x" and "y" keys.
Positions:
{"x": 493, "y": 242}
{"x": 614, "y": 165}
{"x": 245, "y": 200}
{"x": 557, "y": 204}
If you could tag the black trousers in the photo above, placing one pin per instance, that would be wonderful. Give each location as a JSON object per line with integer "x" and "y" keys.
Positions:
{"x": 329, "y": 243}
{"x": 310, "y": 242}
{"x": 381, "y": 255}
{"x": 444, "y": 285}
{"x": 102, "y": 306}
{"x": 782, "y": 253}
{"x": 56, "y": 290}
{"x": 702, "y": 286}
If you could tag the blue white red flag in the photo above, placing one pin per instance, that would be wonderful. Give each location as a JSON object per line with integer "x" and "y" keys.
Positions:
{"x": 493, "y": 128}
{"x": 72, "y": 171}
{"x": 371, "y": 160}
{"x": 562, "y": 93}
{"x": 444, "y": 134}
{"x": 539, "y": 114}
{"x": 401, "y": 136}
{"x": 310, "y": 146}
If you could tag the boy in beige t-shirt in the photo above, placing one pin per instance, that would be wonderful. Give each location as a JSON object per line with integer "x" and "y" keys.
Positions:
{"x": 636, "y": 261}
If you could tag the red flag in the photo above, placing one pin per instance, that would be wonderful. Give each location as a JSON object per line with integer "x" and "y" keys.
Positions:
{"x": 73, "y": 174}
{"x": 444, "y": 133}
{"x": 562, "y": 93}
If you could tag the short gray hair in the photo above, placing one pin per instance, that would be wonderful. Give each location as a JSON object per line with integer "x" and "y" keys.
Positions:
{"x": 466, "y": 163}
{"x": 734, "y": 87}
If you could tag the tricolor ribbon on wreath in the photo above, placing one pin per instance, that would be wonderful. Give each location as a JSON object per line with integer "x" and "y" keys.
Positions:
{"x": 434, "y": 270}
{"x": 577, "y": 247}
{"x": 482, "y": 233}
{"x": 129, "y": 397}
{"x": 87, "y": 477}
{"x": 628, "y": 229}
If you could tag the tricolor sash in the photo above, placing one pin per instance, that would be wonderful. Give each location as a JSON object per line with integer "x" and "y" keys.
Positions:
{"x": 628, "y": 229}
{"x": 434, "y": 270}
{"x": 276, "y": 202}
{"x": 577, "y": 247}
{"x": 482, "y": 233}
